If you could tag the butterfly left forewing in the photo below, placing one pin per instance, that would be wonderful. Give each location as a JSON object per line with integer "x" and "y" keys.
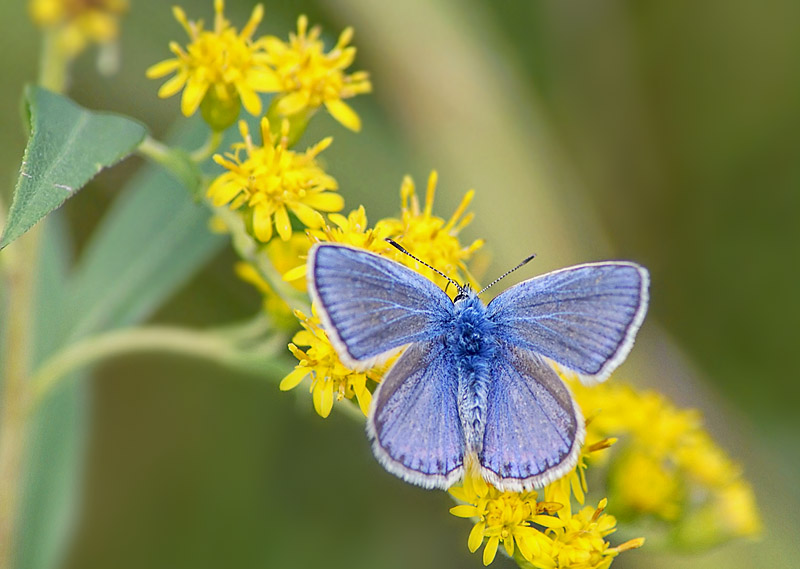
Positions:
{"x": 413, "y": 420}
{"x": 534, "y": 429}
{"x": 371, "y": 306}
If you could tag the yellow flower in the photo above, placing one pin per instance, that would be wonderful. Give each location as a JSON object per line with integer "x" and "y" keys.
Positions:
{"x": 430, "y": 237}
{"x": 272, "y": 180}
{"x": 667, "y": 466}
{"x": 528, "y": 529}
{"x": 642, "y": 482}
{"x": 573, "y": 484}
{"x": 279, "y": 312}
{"x": 79, "y": 22}
{"x": 306, "y": 77}
{"x": 220, "y": 68}
{"x": 425, "y": 235}
{"x": 351, "y": 230}
{"x": 281, "y": 255}
{"x": 581, "y": 543}
{"x": 330, "y": 379}
{"x": 503, "y": 518}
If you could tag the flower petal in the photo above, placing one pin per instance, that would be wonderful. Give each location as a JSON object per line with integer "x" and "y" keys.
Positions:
{"x": 250, "y": 99}
{"x": 307, "y": 216}
{"x": 293, "y": 103}
{"x": 192, "y": 96}
{"x": 508, "y": 544}
{"x": 490, "y": 550}
{"x": 282, "y": 223}
{"x": 464, "y": 511}
{"x": 223, "y": 191}
{"x": 162, "y": 68}
{"x": 343, "y": 113}
{"x": 476, "y": 537}
{"x": 325, "y": 201}
{"x": 323, "y": 398}
{"x": 296, "y": 273}
{"x": 172, "y": 86}
{"x": 293, "y": 378}
{"x": 262, "y": 223}
{"x": 265, "y": 81}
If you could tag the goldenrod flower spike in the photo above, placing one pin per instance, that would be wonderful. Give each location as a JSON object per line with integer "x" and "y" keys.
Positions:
{"x": 668, "y": 467}
{"x": 272, "y": 181}
{"x": 219, "y": 70}
{"x": 306, "y": 77}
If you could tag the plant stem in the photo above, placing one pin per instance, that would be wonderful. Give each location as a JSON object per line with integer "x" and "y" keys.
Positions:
{"x": 53, "y": 64}
{"x": 15, "y": 389}
{"x": 20, "y": 280}
{"x": 204, "y": 152}
{"x": 247, "y": 248}
{"x": 156, "y": 151}
{"x": 208, "y": 345}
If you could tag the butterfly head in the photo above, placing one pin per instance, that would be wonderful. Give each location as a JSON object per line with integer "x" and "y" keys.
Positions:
{"x": 465, "y": 292}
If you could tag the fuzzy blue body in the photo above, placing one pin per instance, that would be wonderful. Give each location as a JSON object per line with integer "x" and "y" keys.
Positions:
{"x": 473, "y": 379}
{"x": 472, "y": 345}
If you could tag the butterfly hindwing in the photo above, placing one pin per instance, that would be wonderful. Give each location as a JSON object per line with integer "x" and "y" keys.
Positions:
{"x": 583, "y": 317}
{"x": 534, "y": 429}
{"x": 413, "y": 423}
{"x": 371, "y": 305}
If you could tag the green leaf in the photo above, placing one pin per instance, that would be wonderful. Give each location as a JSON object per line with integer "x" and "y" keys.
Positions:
{"x": 151, "y": 241}
{"x": 68, "y": 146}
{"x": 56, "y": 439}
{"x": 154, "y": 237}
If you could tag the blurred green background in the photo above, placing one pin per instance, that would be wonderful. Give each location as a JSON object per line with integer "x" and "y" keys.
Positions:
{"x": 663, "y": 132}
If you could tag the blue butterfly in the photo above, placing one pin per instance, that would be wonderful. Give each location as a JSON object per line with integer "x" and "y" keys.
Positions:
{"x": 473, "y": 385}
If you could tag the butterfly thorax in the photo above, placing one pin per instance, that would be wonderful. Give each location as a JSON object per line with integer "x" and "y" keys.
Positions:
{"x": 472, "y": 345}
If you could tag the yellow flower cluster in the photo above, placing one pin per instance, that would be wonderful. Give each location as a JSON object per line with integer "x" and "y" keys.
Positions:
{"x": 307, "y": 77}
{"x": 77, "y": 23}
{"x": 273, "y": 180}
{"x": 668, "y": 467}
{"x": 527, "y": 529}
{"x": 330, "y": 379}
{"x": 221, "y": 69}
{"x": 429, "y": 237}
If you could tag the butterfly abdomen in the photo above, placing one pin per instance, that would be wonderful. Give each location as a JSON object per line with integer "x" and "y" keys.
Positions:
{"x": 472, "y": 343}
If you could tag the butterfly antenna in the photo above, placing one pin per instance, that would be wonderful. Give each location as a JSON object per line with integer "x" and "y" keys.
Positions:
{"x": 504, "y": 275}
{"x": 400, "y": 248}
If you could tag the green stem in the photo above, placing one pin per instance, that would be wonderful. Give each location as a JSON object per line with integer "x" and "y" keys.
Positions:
{"x": 20, "y": 281}
{"x": 208, "y": 345}
{"x": 19, "y": 276}
{"x": 157, "y": 151}
{"x": 244, "y": 243}
{"x": 247, "y": 248}
{"x": 53, "y": 64}
{"x": 204, "y": 152}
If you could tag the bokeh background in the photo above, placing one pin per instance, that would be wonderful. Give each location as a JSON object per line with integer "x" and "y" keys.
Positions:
{"x": 663, "y": 132}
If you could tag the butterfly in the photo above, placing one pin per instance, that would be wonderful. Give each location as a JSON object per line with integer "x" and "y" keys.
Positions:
{"x": 473, "y": 387}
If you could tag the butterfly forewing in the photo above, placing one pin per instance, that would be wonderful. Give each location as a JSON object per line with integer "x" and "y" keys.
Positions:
{"x": 371, "y": 305}
{"x": 414, "y": 425}
{"x": 583, "y": 317}
{"x": 534, "y": 429}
